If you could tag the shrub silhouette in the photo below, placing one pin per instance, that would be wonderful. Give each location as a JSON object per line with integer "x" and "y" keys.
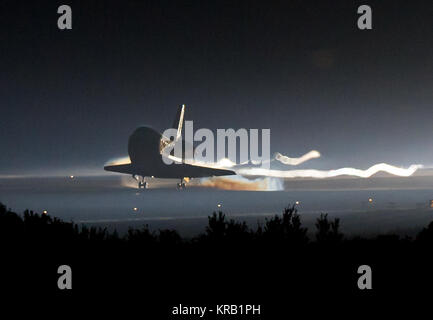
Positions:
{"x": 32, "y": 229}
{"x": 144, "y": 236}
{"x": 169, "y": 238}
{"x": 216, "y": 228}
{"x": 328, "y": 231}
{"x": 93, "y": 233}
{"x": 11, "y": 225}
{"x": 287, "y": 228}
{"x": 219, "y": 230}
{"x": 426, "y": 234}
{"x": 238, "y": 232}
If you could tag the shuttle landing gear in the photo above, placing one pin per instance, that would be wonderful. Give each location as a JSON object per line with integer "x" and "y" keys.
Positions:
{"x": 142, "y": 183}
{"x": 181, "y": 185}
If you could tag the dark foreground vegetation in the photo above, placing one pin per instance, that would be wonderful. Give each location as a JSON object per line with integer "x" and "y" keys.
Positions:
{"x": 281, "y": 230}
{"x": 227, "y": 263}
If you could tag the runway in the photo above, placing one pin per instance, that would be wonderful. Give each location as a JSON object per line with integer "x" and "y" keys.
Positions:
{"x": 397, "y": 204}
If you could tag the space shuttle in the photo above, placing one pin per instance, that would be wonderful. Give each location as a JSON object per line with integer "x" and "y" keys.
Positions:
{"x": 145, "y": 150}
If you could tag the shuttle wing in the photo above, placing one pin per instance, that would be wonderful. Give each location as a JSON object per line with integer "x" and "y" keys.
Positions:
{"x": 171, "y": 171}
{"x": 121, "y": 168}
{"x": 188, "y": 170}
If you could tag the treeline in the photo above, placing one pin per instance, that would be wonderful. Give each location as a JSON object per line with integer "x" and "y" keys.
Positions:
{"x": 280, "y": 229}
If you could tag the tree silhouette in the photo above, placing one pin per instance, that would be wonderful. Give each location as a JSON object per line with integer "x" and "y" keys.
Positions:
{"x": 426, "y": 234}
{"x": 169, "y": 238}
{"x": 143, "y": 236}
{"x": 33, "y": 229}
{"x": 328, "y": 231}
{"x": 216, "y": 228}
{"x": 237, "y": 232}
{"x": 287, "y": 228}
{"x": 11, "y": 225}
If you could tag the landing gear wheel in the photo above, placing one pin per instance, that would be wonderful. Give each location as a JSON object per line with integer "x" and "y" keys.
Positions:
{"x": 181, "y": 185}
{"x": 142, "y": 185}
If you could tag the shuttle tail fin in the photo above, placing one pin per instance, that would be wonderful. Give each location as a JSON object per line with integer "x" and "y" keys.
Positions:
{"x": 178, "y": 121}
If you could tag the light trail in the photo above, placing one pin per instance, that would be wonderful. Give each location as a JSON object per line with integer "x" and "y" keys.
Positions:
{"x": 296, "y": 161}
{"x": 320, "y": 174}
{"x": 255, "y": 171}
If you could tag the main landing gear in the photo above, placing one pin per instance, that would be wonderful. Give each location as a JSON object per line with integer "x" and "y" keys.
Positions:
{"x": 181, "y": 185}
{"x": 142, "y": 183}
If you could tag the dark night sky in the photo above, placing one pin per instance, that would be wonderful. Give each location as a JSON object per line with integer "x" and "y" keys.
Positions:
{"x": 301, "y": 68}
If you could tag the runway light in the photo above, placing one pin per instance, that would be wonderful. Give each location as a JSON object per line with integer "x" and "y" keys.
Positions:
{"x": 45, "y": 212}
{"x": 71, "y": 177}
{"x": 297, "y": 203}
{"x": 135, "y": 209}
{"x": 219, "y": 205}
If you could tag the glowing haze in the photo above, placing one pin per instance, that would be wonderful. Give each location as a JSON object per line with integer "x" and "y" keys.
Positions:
{"x": 250, "y": 170}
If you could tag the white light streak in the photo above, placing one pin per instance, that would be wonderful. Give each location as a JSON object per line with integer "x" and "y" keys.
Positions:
{"x": 320, "y": 174}
{"x": 296, "y": 161}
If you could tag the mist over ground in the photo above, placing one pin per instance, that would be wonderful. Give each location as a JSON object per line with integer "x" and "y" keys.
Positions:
{"x": 398, "y": 205}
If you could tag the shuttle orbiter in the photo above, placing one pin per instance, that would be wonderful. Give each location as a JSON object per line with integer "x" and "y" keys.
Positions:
{"x": 145, "y": 148}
